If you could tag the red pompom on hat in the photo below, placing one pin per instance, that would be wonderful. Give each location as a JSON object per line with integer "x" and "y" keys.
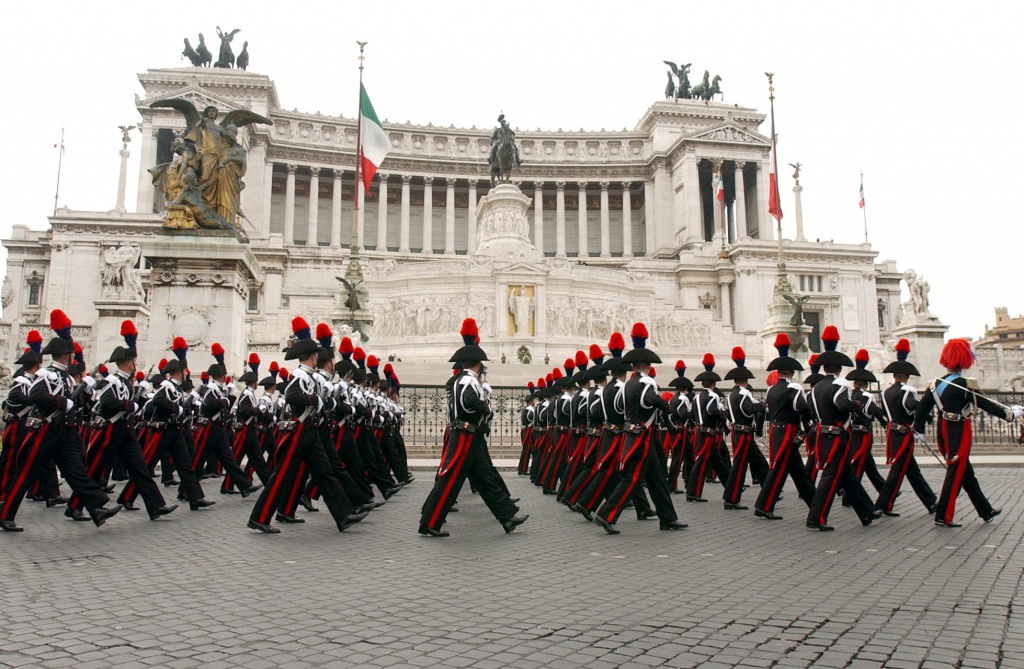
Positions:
{"x": 60, "y": 323}
{"x": 616, "y": 344}
{"x": 160, "y": 365}
{"x": 372, "y": 363}
{"x": 830, "y": 337}
{"x": 216, "y": 349}
{"x": 283, "y": 373}
{"x": 862, "y": 358}
{"x": 957, "y": 354}
{"x": 639, "y": 335}
{"x": 345, "y": 348}
{"x": 140, "y": 375}
{"x": 739, "y": 356}
{"x": 130, "y": 333}
{"x": 180, "y": 347}
{"x": 359, "y": 355}
{"x": 680, "y": 368}
{"x": 653, "y": 373}
{"x": 902, "y": 350}
{"x": 324, "y": 334}
{"x": 708, "y": 361}
{"x": 773, "y": 378}
{"x": 556, "y": 373}
{"x": 388, "y": 370}
{"x": 300, "y": 328}
{"x": 469, "y": 332}
{"x": 581, "y": 360}
{"x": 596, "y": 354}
{"x": 541, "y": 383}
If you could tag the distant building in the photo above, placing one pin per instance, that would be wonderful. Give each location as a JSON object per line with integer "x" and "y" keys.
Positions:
{"x": 1008, "y": 332}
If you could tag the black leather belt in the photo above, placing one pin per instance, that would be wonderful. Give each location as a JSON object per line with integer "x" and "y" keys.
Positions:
{"x": 899, "y": 429}
{"x": 463, "y": 426}
{"x": 860, "y": 428}
{"x": 633, "y": 428}
{"x": 953, "y": 417}
{"x": 742, "y": 428}
{"x": 834, "y": 430}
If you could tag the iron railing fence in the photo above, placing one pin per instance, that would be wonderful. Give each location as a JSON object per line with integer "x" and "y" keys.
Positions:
{"x": 425, "y": 418}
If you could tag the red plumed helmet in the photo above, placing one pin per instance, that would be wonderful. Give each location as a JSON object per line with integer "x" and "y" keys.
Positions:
{"x": 569, "y": 365}
{"x": 903, "y": 345}
{"x": 469, "y": 332}
{"x": 541, "y": 383}
{"x": 738, "y": 354}
{"x": 34, "y": 336}
{"x": 160, "y": 365}
{"x": 388, "y": 370}
{"x": 59, "y": 320}
{"x": 372, "y": 361}
{"x": 323, "y": 330}
{"x": 140, "y": 375}
{"x": 283, "y": 373}
{"x": 128, "y": 328}
{"x": 216, "y": 349}
{"x": 530, "y": 385}
{"x": 862, "y": 355}
{"x": 358, "y": 354}
{"x": 782, "y": 339}
{"x": 300, "y": 328}
{"x": 179, "y": 343}
{"x": 639, "y": 330}
{"x": 653, "y": 373}
{"x": 581, "y": 359}
{"x": 254, "y": 359}
{"x": 616, "y": 342}
{"x": 274, "y": 367}
{"x": 595, "y": 352}
{"x": 831, "y": 333}
{"x": 957, "y": 354}
{"x": 203, "y": 376}
{"x": 78, "y": 348}
{"x": 556, "y": 373}
{"x": 550, "y": 378}
{"x": 708, "y": 361}
{"x": 345, "y": 347}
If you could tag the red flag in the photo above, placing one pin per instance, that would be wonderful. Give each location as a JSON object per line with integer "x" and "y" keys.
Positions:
{"x": 774, "y": 201}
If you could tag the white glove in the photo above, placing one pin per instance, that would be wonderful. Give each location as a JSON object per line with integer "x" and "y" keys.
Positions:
{"x": 920, "y": 439}
{"x": 68, "y": 405}
{"x": 181, "y": 410}
{"x": 1018, "y": 411}
{"x": 89, "y": 381}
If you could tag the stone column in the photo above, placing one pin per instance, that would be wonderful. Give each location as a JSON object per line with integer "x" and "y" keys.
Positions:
{"x": 289, "y": 206}
{"x": 428, "y": 215}
{"x": 799, "y": 212}
{"x": 718, "y": 207}
{"x": 449, "y": 218}
{"x": 382, "y": 212}
{"x": 471, "y": 219}
{"x": 314, "y": 206}
{"x": 765, "y": 223}
{"x": 650, "y": 215}
{"x": 693, "y": 214}
{"x": 122, "y": 179}
{"x": 336, "y": 211}
{"x": 581, "y": 209}
{"x": 726, "y": 302}
{"x": 144, "y": 203}
{"x": 560, "y": 220}
{"x": 627, "y": 221}
{"x": 268, "y": 193}
{"x": 606, "y": 234}
{"x": 403, "y": 230}
{"x": 538, "y": 216}
{"x": 360, "y": 218}
{"x": 741, "y": 202}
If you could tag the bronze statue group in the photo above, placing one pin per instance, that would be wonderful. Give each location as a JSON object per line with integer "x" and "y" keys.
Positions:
{"x": 597, "y": 435}
{"x": 600, "y": 437}
{"x": 331, "y": 428}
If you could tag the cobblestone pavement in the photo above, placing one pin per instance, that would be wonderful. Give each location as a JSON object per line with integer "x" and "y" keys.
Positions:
{"x": 199, "y": 590}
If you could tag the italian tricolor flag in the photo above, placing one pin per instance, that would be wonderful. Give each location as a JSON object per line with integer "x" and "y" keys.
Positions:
{"x": 862, "y": 194}
{"x": 719, "y": 187}
{"x": 374, "y": 142}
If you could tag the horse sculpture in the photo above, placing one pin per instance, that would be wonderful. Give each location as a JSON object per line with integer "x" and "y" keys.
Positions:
{"x": 501, "y": 170}
{"x": 706, "y": 89}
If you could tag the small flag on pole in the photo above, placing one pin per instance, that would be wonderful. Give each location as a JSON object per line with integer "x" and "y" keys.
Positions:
{"x": 774, "y": 201}
{"x": 375, "y": 143}
{"x": 719, "y": 187}
{"x": 862, "y": 192}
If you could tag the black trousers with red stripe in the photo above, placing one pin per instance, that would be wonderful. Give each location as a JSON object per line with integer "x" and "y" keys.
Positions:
{"x": 836, "y": 473}
{"x": 742, "y": 445}
{"x": 641, "y": 464}
{"x": 707, "y": 453}
{"x": 37, "y": 451}
{"x": 677, "y": 446}
{"x": 373, "y": 459}
{"x": 217, "y": 446}
{"x": 174, "y": 441}
{"x": 298, "y": 448}
{"x": 14, "y": 434}
{"x": 248, "y": 447}
{"x": 352, "y": 460}
{"x": 904, "y": 465}
{"x": 786, "y": 463}
{"x": 467, "y": 458}
{"x": 121, "y": 441}
{"x": 954, "y": 438}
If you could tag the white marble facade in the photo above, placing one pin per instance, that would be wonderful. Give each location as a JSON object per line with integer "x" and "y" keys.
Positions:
{"x": 621, "y": 226}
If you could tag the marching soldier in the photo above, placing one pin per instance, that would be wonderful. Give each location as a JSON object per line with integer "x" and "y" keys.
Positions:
{"x": 710, "y": 417}
{"x": 681, "y": 449}
{"x": 900, "y": 404}
{"x": 16, "y": 409}
{"x": 744, "y": 410}
{"x": 462, "y": 455}
{"x": 170, "y": 425}
{"x": 786, "y": 407}
{"x": 637, "y": 461}
{"x": 50, "y": 436}
{"x": 526, "y": 420}
{"x": 955, "y": 398}
{"x": 861, "y": 433}
{"x": 247, "y": 441}
{"x": 834, "y": 405}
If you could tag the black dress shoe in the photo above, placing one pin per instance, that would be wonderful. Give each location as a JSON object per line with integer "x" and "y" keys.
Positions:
{"x": 674, "y": 525}
{"x": 454, "y": 509}
{"x": 75, "y": 514}
{"x": 646, "y": 515}
{"x": 409, "y": 479}
{"x": 390, "y": 492}
{"x": 108, "y": 488}
{"x": 891, "y": 514}
{"x": 513, "y": 522}
{"x": 214, "y": 475}
{"x": 876, "y": 514}
{"x": 583, "y": 511}
{"x": 307, "y": 504}
{"x": 102, "y": 514}
{"x": 36, "y": 498}
{"x": 931, "y": 509}
{"x": 129, "y": 506}
{"x": 251, "y": 489}
{"x": 172, "y": 482}
{"x": 767, "y": 515}
{"x": 939, "y": 523}
{"x": 181, "y": 497}
{"x": 10, "y": 526}
{"x": 822, "y": 528}
{"x": 431, "y": 532}
{"x": 161, "y": 511}
{"x": 229, "y": 491}
{"x": 516, "y": 499}
{"x": 992, "y": 514}
{"x": 197, "y": 504}
{"x": 281, "y": 518}
{"x": 350, "y": 520}
{"x": 56, "y": 501}
{"x": 729, "y": 506}
{"x": 265, "y": 529}
{"x": 690, "y": 498}
{"x": 866, "y": 521}
{"x": 605, "y": 525}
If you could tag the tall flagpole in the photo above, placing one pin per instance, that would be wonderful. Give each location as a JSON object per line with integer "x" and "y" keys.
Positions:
{"x": 354, "y": 271}
{"x": 782, "y": 285}
{"x": 60, "y": 160}
{"x": 864, "y": 206}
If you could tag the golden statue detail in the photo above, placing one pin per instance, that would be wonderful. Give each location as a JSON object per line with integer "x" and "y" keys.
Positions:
{"x": 202, "y": 185}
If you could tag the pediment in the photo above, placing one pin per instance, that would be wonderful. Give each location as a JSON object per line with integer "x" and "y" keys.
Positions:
{"x": 730, "y": 133}
{"x": 198, "y": 96}
{"x": 521, "y": 265}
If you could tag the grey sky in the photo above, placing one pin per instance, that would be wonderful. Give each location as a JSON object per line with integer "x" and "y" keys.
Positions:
{"x": 913, "y": 94}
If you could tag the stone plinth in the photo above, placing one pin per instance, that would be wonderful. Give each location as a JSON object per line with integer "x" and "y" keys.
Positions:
{"x": 780, "y": 314}
{"x": 110, "y": 313}
{"x": 199, "y": 292}
{"x": 927, "y": 336}
{"x": 502, "y": 227}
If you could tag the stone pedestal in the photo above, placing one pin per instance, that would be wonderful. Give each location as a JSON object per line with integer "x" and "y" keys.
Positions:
{"x": 927, "y": 336}
{"x": 107, "y": 331}
{"x": 502, "y": 227}
{"x": 200, "y": 292}
{"x": 780, "y": 314}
